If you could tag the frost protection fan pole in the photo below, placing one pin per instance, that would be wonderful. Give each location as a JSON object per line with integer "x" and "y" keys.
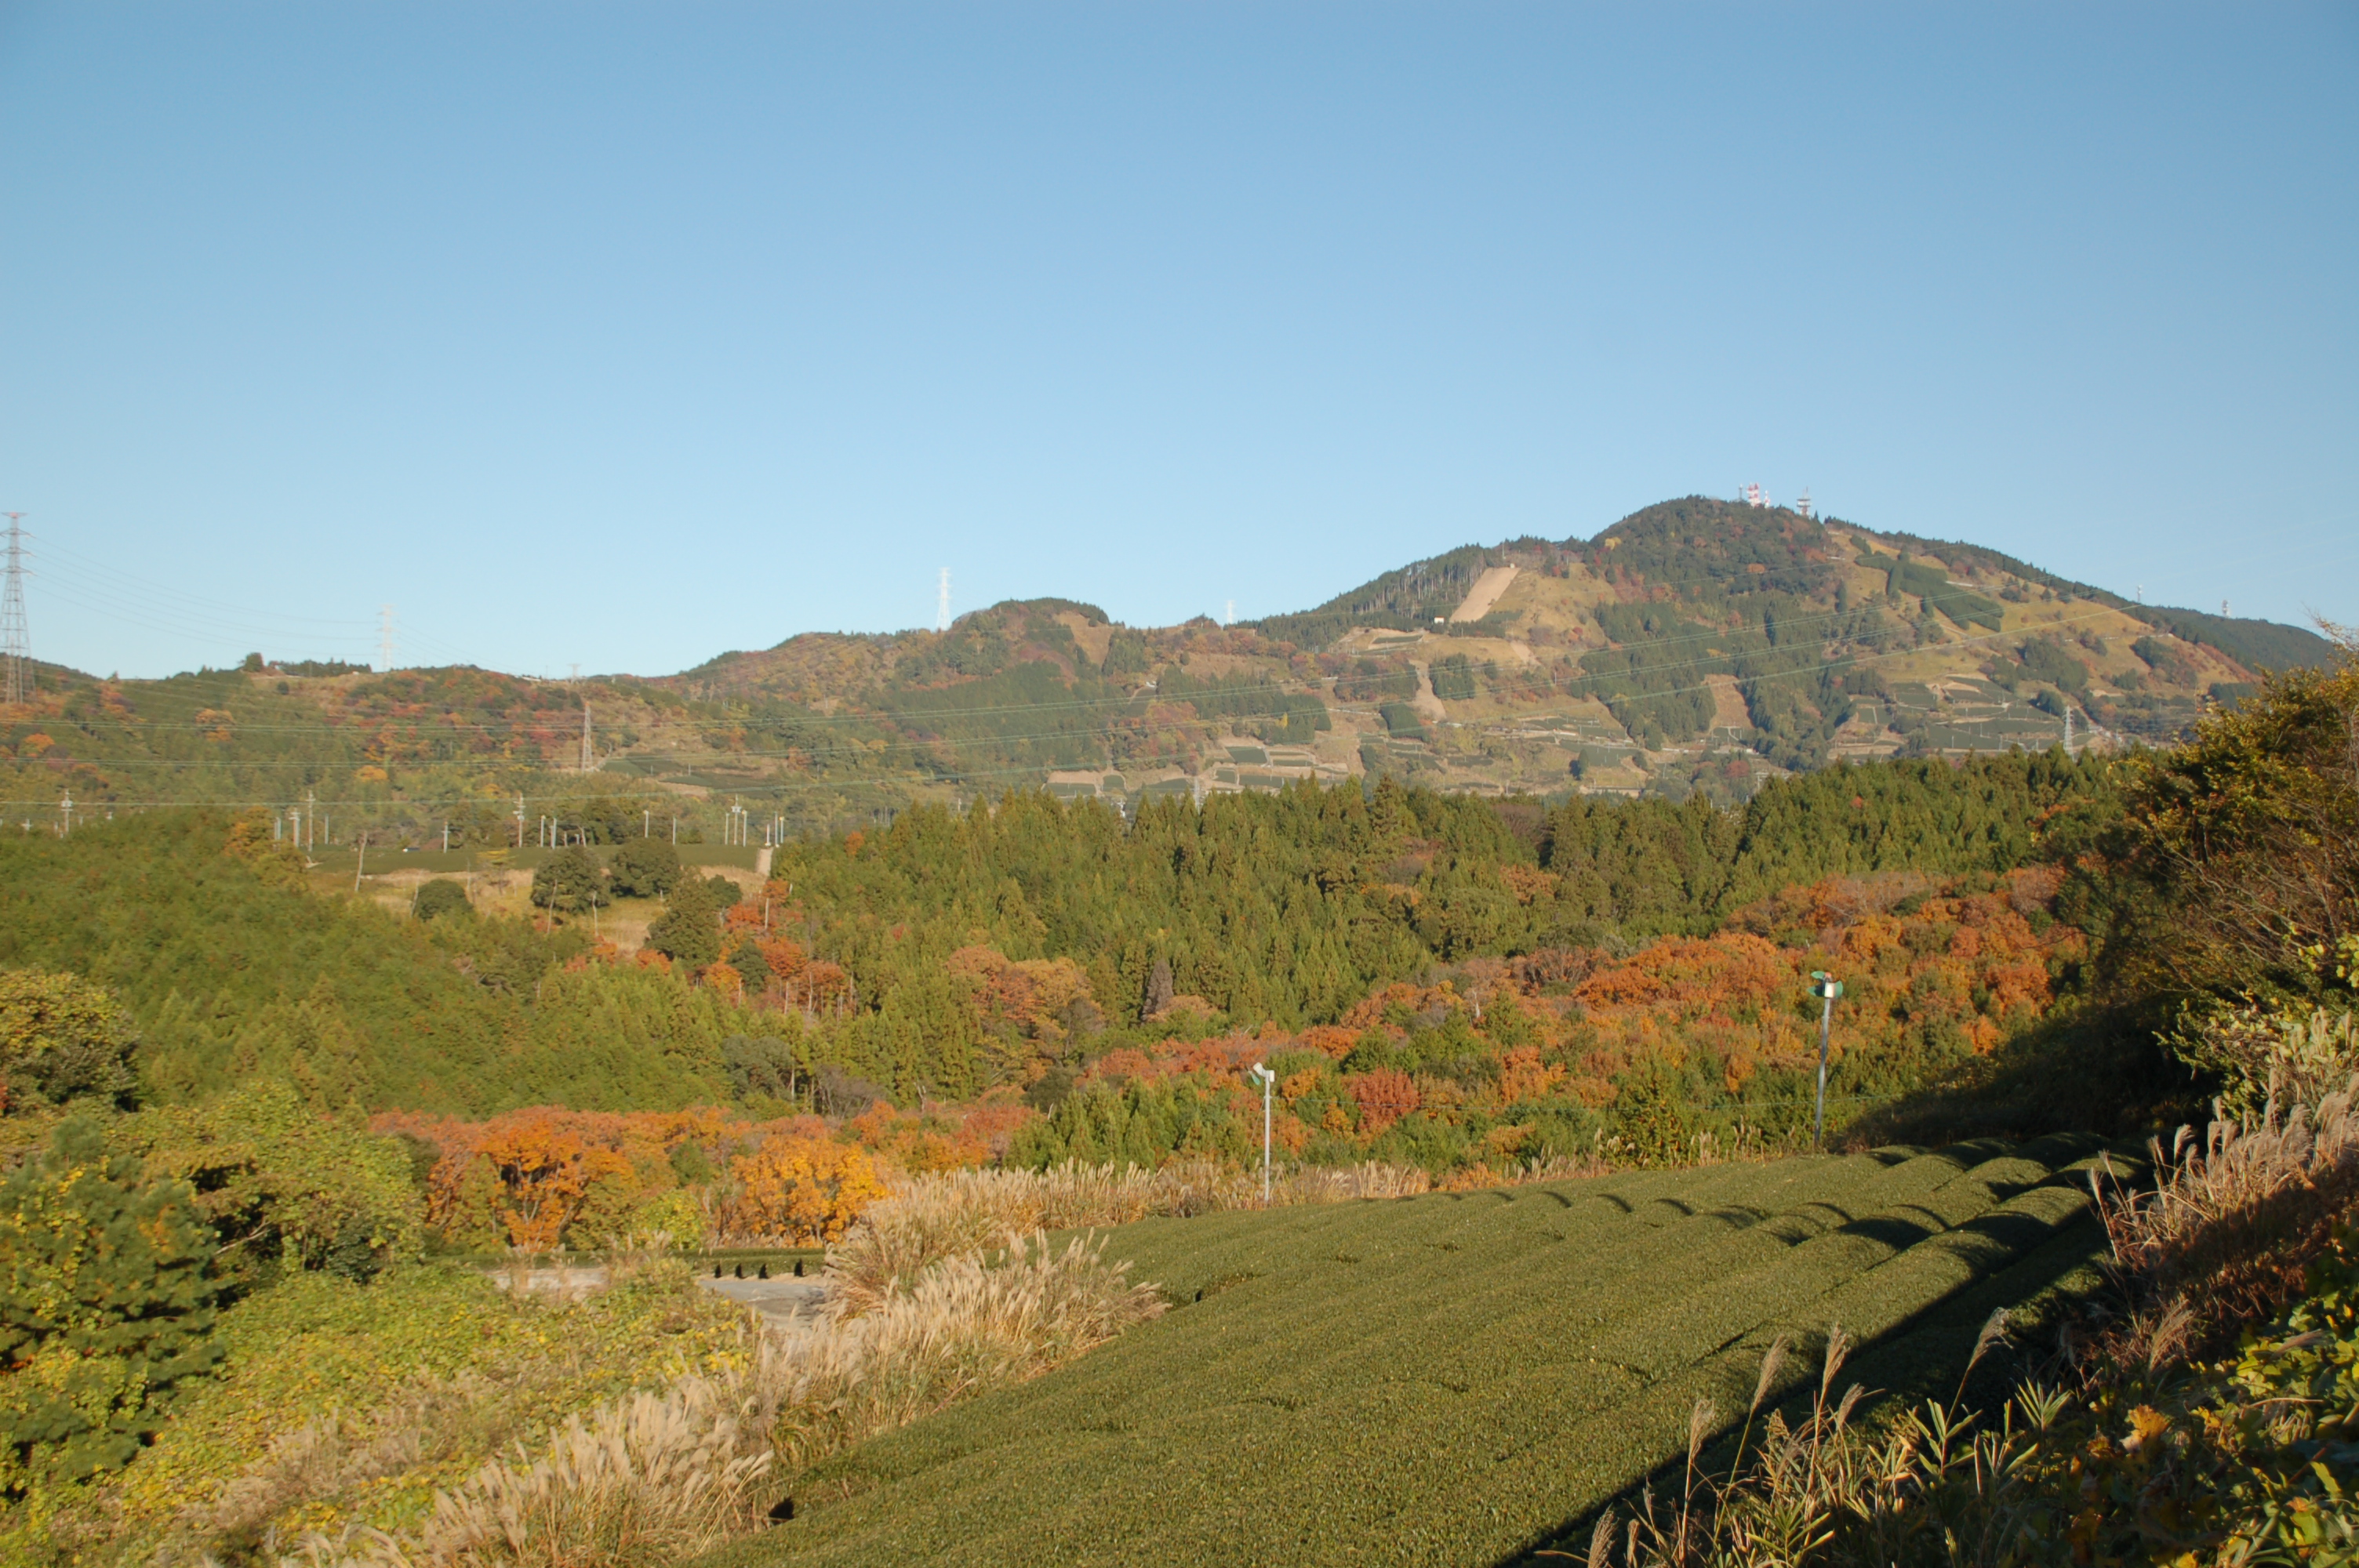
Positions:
{"x": 1827, "y": 988}
{"x": 1268, "y": 1079}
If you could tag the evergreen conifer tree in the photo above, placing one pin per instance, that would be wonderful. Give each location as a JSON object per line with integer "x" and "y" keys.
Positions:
{"x": 105, "y": 1307}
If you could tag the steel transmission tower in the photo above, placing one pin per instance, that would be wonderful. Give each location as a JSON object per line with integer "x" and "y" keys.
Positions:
{"x": 15, "y": 641}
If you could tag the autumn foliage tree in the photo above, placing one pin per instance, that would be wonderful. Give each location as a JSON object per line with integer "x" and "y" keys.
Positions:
{"x": 801, "y": 1189}
{"x": 545, "y": 1169}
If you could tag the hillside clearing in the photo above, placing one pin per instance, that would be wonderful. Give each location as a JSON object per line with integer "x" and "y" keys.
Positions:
{"x": 1450, "y": 1378}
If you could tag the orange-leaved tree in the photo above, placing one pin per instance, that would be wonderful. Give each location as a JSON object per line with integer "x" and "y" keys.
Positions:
{"x": 545, "y": 1168}
{"x": 802, "y": 1188}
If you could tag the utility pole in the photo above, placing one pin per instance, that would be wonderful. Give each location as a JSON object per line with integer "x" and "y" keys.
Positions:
{"x": 647, "y": 830}
{"x": 15, "y": 640}
{"x": 66, "y": 807}
{"x": 585, "y": 734}
{"x": 1827, "y": 988}
{"x": 311, "y": 819}
{"x": 519, "y": 821}
{"x": 446, "y": 837}
{"x": 361, "y": 858}
{"x": 1268, "y": 1079}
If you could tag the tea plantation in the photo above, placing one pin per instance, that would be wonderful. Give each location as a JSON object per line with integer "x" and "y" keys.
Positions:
{"x": 1455, "y": 1378}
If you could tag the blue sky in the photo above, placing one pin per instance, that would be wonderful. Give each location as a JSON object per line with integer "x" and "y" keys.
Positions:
{"x": 619, "y": 335}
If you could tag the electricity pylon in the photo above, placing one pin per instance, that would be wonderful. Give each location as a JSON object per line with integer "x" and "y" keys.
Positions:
{"x": 15, "y": 641}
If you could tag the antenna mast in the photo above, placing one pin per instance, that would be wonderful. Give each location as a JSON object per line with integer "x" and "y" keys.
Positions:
{"x": 15, "y": 641}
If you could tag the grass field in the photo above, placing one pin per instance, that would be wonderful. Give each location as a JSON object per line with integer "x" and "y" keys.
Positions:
{"x": 1454, "y": 1378}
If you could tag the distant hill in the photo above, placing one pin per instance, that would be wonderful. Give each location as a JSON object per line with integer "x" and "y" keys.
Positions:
{"x": 1696, "y": 646}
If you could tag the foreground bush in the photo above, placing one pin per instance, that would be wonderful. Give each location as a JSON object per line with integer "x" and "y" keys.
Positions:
{"x": 338, "y": 1406}
{"x": 105, "y": 1308}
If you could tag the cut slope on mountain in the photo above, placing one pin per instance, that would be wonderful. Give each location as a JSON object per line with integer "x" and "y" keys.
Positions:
{"x": 1696, "y": 646}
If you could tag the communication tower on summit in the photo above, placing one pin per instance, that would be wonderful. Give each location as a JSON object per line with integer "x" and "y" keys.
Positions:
{"x": 1803, "y": 506}
{"x": 15, "y": 641}
{"x": 1753, "y": 496}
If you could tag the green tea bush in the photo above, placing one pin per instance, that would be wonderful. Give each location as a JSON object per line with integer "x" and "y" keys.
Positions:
{"x": 1446, "y": 1378}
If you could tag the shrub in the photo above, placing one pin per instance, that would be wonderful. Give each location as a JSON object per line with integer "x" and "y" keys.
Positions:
{"x": 105, "y": 1305}
{"x": 276, "y": 1177}
{"x": 2293, "y": 1055}
{"x": 645, "y": 868}
{"x": 688, "y": 931}
{"x": 2248, "y": 839}
{"x": 61, "y": 1039}
{"x": 569, "y": 882}
{"x": 762, "y": 1066}
{"x": 440, "y": 897}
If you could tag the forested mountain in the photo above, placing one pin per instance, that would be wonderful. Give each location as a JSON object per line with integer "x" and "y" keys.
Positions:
{"x": 1695, "y": 646}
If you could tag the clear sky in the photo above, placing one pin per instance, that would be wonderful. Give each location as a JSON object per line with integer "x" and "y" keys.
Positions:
{"x": 619, "y": 335}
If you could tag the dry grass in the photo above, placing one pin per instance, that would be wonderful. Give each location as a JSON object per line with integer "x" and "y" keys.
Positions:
{"x": 962, "y": 1326}
{"x": 655, "y": 1477}
{"x": 954, "y": 1213}
{"x": 1923, "y": 1487}
{"x": 2233, "y": 1221}
{"x": 2262, "y": 1054}
{"x": 650, "y": 1478}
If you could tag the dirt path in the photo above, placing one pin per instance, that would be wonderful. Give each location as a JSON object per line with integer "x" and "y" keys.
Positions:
{"x": 1429, "y": 707}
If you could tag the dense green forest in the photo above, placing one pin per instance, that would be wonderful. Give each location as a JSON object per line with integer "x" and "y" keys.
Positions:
{"x": 1290, "y": 907}
{"x": 234, "y": 968}
{"x": 1286, "y": 909}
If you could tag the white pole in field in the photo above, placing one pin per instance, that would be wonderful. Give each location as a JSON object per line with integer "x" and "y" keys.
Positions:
{"x": 1268, "y": 1079}
{"x": 1826, "y": 987}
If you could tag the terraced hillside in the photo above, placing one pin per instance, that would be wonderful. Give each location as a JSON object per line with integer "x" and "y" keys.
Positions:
{"x": 1452, "y": 1379}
